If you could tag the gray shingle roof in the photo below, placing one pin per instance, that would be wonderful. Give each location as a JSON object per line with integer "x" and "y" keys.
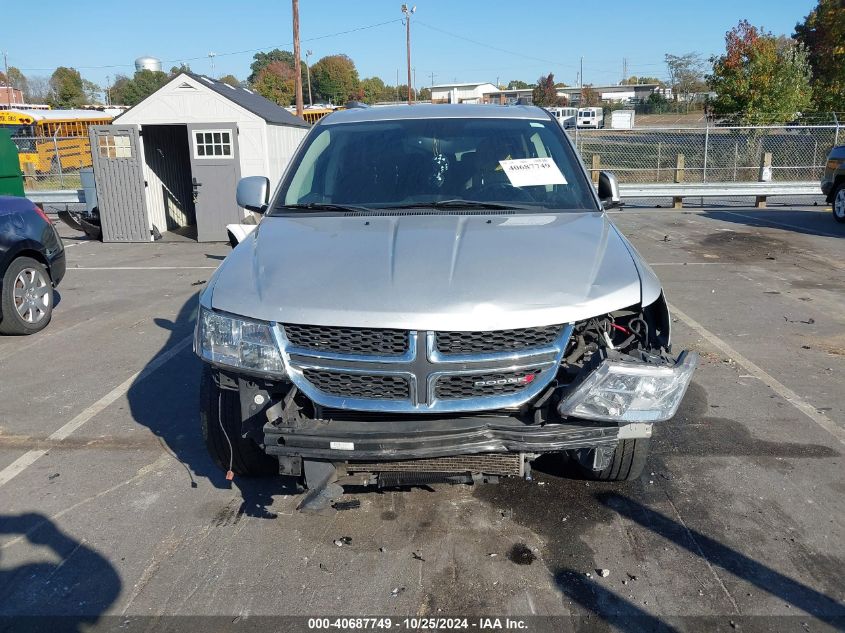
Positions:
{"x": 254, "y": 102}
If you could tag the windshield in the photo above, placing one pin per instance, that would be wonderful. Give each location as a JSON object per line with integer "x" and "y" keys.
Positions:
{"x": 414, "y": 162}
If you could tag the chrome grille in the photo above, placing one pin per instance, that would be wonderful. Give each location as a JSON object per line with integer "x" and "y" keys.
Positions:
{"x": 496, "y": 341}
{"x": 406, "y": 372}
{"x": 479, "y": 385}
{"x": 348, "y": 340}
{"x": 368, "y": 386}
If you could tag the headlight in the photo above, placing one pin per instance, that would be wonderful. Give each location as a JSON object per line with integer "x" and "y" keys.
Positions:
{"x": 237, "y": 342}
{"x": 630, "y": 391}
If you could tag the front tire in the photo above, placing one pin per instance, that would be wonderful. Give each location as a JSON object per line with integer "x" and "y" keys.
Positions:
{"x": 26, "y": 297}
{"x": 220, "y": 415}
{"x": 627, "y": 464}
{"x": 838, "y": 205}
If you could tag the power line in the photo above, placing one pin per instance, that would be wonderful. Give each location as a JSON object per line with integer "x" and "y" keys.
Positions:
{"x": 241, "y": 52}
{"x": 490, "y": 46}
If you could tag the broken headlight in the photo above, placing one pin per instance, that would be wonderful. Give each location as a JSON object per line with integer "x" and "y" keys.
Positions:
{"x": 225, "y": 339}
{"x": 625, "y": 391}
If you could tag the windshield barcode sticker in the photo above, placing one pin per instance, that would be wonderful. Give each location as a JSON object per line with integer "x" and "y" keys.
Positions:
{"x": 532, "y": 172}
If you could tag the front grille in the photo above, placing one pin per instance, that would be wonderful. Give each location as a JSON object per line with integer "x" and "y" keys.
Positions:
{"x": 496, "y": 341}
{"x": 488, "y": 463}
{"x": 369, "y": 386}
{"x": 459, "y": 386}
{"x": 348, "y": 340}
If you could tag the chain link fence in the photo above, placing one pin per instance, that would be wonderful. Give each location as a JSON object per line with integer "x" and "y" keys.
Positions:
{"x": 709, "y": 154}
{"x": 49, "y": 163}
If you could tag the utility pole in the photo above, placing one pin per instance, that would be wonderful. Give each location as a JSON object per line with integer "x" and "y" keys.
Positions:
{"x": 408, "y": 13}
{"x": 297, "y": 67}
{"x": 308, "y": 54}
{"x": 624, "y": 69}
{"x": 108, "y": 89}
{"x": 8, "y": 83}
{"x": 211, "y": 57}
{"x": 581, "y": 83}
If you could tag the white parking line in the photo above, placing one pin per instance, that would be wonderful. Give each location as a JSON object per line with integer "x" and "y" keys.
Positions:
{"x": 143, "y": 268}
{"x": 775, "y": 385}
{"x": 30, "y": 457}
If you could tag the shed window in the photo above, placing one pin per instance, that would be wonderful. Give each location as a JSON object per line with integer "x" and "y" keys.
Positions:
{"x": 116, "y": 146}
{"x": 212, "y": 144}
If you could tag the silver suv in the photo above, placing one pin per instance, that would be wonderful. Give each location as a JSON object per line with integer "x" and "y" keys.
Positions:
{"x": 434, "y": 293}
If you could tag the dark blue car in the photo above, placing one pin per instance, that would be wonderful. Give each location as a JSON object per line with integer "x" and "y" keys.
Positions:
{"x": 32, "y": 263}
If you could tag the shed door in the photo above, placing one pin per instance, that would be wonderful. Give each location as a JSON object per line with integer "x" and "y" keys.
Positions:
{"x": 215, "y": 170}
{"x": 119, "y": 175}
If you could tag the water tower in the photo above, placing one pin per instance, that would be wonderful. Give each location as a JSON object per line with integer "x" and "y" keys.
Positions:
{"x": 148, "y": 63}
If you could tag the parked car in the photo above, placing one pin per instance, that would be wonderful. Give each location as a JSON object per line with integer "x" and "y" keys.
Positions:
{"x": 833, "y": 182}
{"x": 590, "y": 118}
{"x": 434, "y": 294}
{"x": 32, "y": 263}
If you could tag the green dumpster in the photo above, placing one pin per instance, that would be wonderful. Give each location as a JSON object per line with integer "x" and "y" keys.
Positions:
{"x": 11, "y": 179}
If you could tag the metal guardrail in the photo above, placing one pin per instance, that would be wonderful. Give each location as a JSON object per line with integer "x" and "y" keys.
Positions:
{"x": 719, "y": 189}
{"x": 627, "y": 190}
{"x": 57, "y": 196}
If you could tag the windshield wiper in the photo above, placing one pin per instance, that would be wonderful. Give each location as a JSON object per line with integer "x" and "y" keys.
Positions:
{"x": 325, "y": 206}
{"x": 457, "y": 203}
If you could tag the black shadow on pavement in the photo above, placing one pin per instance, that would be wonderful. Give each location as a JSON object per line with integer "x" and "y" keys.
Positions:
{"x": 166, "y": 401}
{"x": 765, "y": 578}
{"x": 816, "y": 223}
{"x": 68, "y": 594}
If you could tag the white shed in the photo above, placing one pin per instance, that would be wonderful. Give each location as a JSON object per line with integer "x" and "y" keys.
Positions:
{"x": 185, "y": 147}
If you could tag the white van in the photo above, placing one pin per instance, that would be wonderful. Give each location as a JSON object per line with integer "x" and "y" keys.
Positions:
{"x": 564, "y": 116}
{"x": 590, "y": 117}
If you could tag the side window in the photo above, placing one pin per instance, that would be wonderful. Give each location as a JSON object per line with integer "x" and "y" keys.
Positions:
{"x": 212, "y": 144}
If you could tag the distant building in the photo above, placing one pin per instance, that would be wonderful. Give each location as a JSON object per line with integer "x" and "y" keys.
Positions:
{"x": 461, "y": 93}
{"x": 10, "y": 96}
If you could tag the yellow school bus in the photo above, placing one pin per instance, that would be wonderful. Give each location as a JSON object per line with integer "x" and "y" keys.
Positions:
{"x": 48, "y": 140}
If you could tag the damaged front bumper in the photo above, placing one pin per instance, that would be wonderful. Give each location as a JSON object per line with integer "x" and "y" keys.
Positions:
{"x": 403, "y": 438}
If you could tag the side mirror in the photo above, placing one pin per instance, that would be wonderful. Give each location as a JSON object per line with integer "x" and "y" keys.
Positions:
{"x": 609, "y": 191}
{"x": 253, "y": 193}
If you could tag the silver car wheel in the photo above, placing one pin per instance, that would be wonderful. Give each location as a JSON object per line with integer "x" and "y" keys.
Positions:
{"x": 32, "y": 296}
{"x": 839, "y": 203}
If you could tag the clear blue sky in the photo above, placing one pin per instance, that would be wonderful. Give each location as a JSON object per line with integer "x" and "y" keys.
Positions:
{"x": 534, "y": 37}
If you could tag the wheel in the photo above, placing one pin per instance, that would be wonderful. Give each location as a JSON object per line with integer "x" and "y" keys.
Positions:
{"x": 839, "y": 203}
{"x": 26, "y": 299}
{"x": 221, "y": 409}
{"x": 627, "y": 464}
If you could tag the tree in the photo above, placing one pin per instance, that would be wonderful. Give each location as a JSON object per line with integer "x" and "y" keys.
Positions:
{"x": 823, "y": 35}
{"x": 424, "y": 95}
{"x": 761, "y": 78}
{"x": 16, "y": 79}
{"x": 38, "y": 89}
{"x": 633, "y": 80}
{"x": 66, "y": 88}
{"x": 545, "y": 93}
{"x": 126, "y": 91}
{"x": 589, "y": 97}
{"x": 262, "y": 60}
{"x": 373, "y": 88}
{"x": 181, "y": 68}
{"x": 92, "y": 91}
{"x": 276, "y": 82}
{"x": 516, "y": 84}
{"x": 686, "y": 74}
{"x": 231, "y": 80}
{"x": 335, "y": 78}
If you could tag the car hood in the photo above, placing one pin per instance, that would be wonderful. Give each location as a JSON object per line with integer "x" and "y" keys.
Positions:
{"x": 430, "y": 272}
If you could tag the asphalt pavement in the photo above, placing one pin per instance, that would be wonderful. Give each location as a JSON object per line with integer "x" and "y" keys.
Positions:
{"x": 111, "y": 510}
